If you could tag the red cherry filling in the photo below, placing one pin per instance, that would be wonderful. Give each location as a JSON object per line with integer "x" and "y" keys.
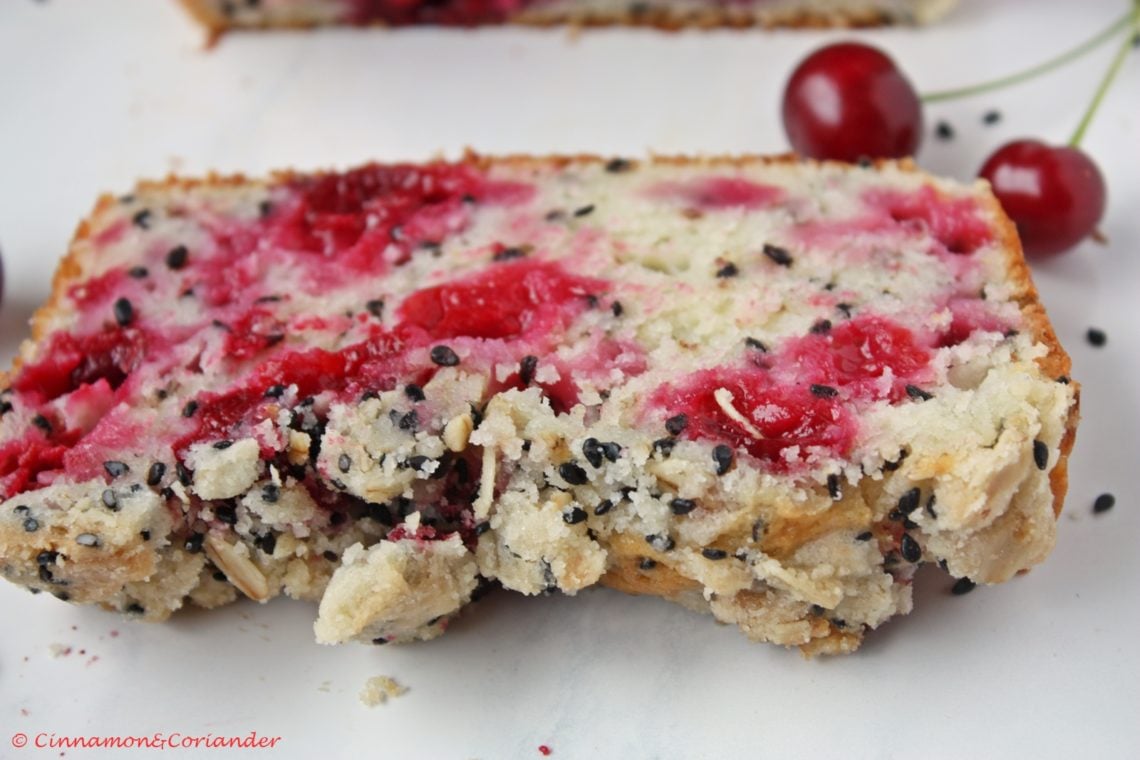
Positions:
{"x": 856, "y": 355}
{"x": 955, "y": 222}
{"x": 849, "y": 101}
{"x": 356, "y": 215}
{"x": 503, "y": 302}
{"x": 716, "y": 193}
{"x": 444, "y": 12}
{"x": 776, "y": 418}
{"x": 1055, "y": 195}
{"x": 70, "y": 362}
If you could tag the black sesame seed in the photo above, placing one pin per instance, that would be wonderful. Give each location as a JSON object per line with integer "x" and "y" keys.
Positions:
{"x": 22, "y": 509}
{"x": 710, "y": 553}
{"x": 682, "y": 506}
{"x": 611, "y": 450}
{"x": 138, "y": 272}
{"x": 31, "y": 525}
{"x": 1096, "y": 337}
{"x": 592, "y": 450}
{"x": 414, "y": 392}
{"x": 344, "y": 463}
{"x": 145, "y": 535}
{"x": 155, "y": 473}
{"x": 226, "y": 513}
{"x": 865, "y": 536}
{"x": 185, "y": 477}
{"x": 918, "y": 394}
{"x": 1064, "y": 380}
{"x": 574, "y": 516}
{"x": 821, "y": 327}
{"x": 910, "y": 549}
{"x": 507, "y": 254}
{"x": 275, "y": 391}
{"x": 190, "y": 408}
{"x": 123, "y": 311}
{"x": 417, "y": 462}
{"x": 194, "y": 543}
{"x": 991, "y": 117}
{"x": 930, "y": 507}
{"x": 944, "y": 131}
{"x": 617, "y": 309}
{"x": 722, "y": 455}
{"x": 42, "y": 423}
{"x": 409, "y": 421}
{"x": 527, "y": 368}
{"x": 755, "y": 344}
{"x": 1103, "y": 503}
{"x": 833, "y": 487}
{"x": 270, "y": 493}
{"x": 603, "y": 507}
{"x": 444, "y": 356}
{"x": 758, "y": 529}
{"x": 110, "y": 501}
{"x": 909, "y": 501}
{"x": 728, "y": 270}
{"x": 142, "y": 218}
{"x": 584, "y": 210}
{"x": 962, "y": 586}
{"x": 375, "y": 307}
{"x": 573, "y": 474}
{"x": 266, "y": 543}
{"x": 330, "y": 555}
{"x": 778, "y": 255}
{"x": 177, "y": 256}
{"x": 823, "y": 391}
{"x": 481, "y": 528}
{"x": 115, "y": 469}
{"x": 660, "y": 542}
{"x": 618, "y": 165}
{"x": 1040, "y": 454}
{"x": 223, "y": 444}
{"x": 665, "y": 446}
{"x": 646, "y": 564}
{"x": 675, "y": 425}
{"x": 892, "y": 466}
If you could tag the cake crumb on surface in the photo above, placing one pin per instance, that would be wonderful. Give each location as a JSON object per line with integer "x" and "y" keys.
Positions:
{"x": 378, "y": 689}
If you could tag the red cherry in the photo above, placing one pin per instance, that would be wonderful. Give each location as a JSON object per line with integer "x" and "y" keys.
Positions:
{"x": 849, "y": 101}
{"x": 1055, "y": 196}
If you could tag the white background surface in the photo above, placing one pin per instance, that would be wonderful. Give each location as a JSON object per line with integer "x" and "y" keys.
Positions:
{"x": 95, "y": 93}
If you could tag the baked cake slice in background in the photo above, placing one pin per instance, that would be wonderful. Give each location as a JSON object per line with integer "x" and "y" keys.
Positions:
{"x": 219, "y": 15}
{"x": 763, "y": 388}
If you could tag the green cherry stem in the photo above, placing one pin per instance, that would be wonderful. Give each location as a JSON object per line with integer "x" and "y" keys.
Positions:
{"x": 1106, "y": 82}
{"x": 1124, "y": 22}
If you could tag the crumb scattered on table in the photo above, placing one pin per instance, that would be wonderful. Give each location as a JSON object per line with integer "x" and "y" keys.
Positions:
{"x": 378, "y": 689}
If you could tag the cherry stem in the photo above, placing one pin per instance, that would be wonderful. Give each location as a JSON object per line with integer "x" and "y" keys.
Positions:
{"x": 1106, "y": 82}
{"x": 1124, "y": 22}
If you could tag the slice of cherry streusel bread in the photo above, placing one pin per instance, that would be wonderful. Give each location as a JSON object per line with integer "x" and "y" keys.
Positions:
{"x": 220, "y": 15}
{"x": 764, "y": 388}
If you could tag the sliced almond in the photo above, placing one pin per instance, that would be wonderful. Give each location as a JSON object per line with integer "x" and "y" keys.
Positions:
{"x": 457, "y": 432}
{"x": 238, "y": 568}
{"x": 724, "y": 399}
